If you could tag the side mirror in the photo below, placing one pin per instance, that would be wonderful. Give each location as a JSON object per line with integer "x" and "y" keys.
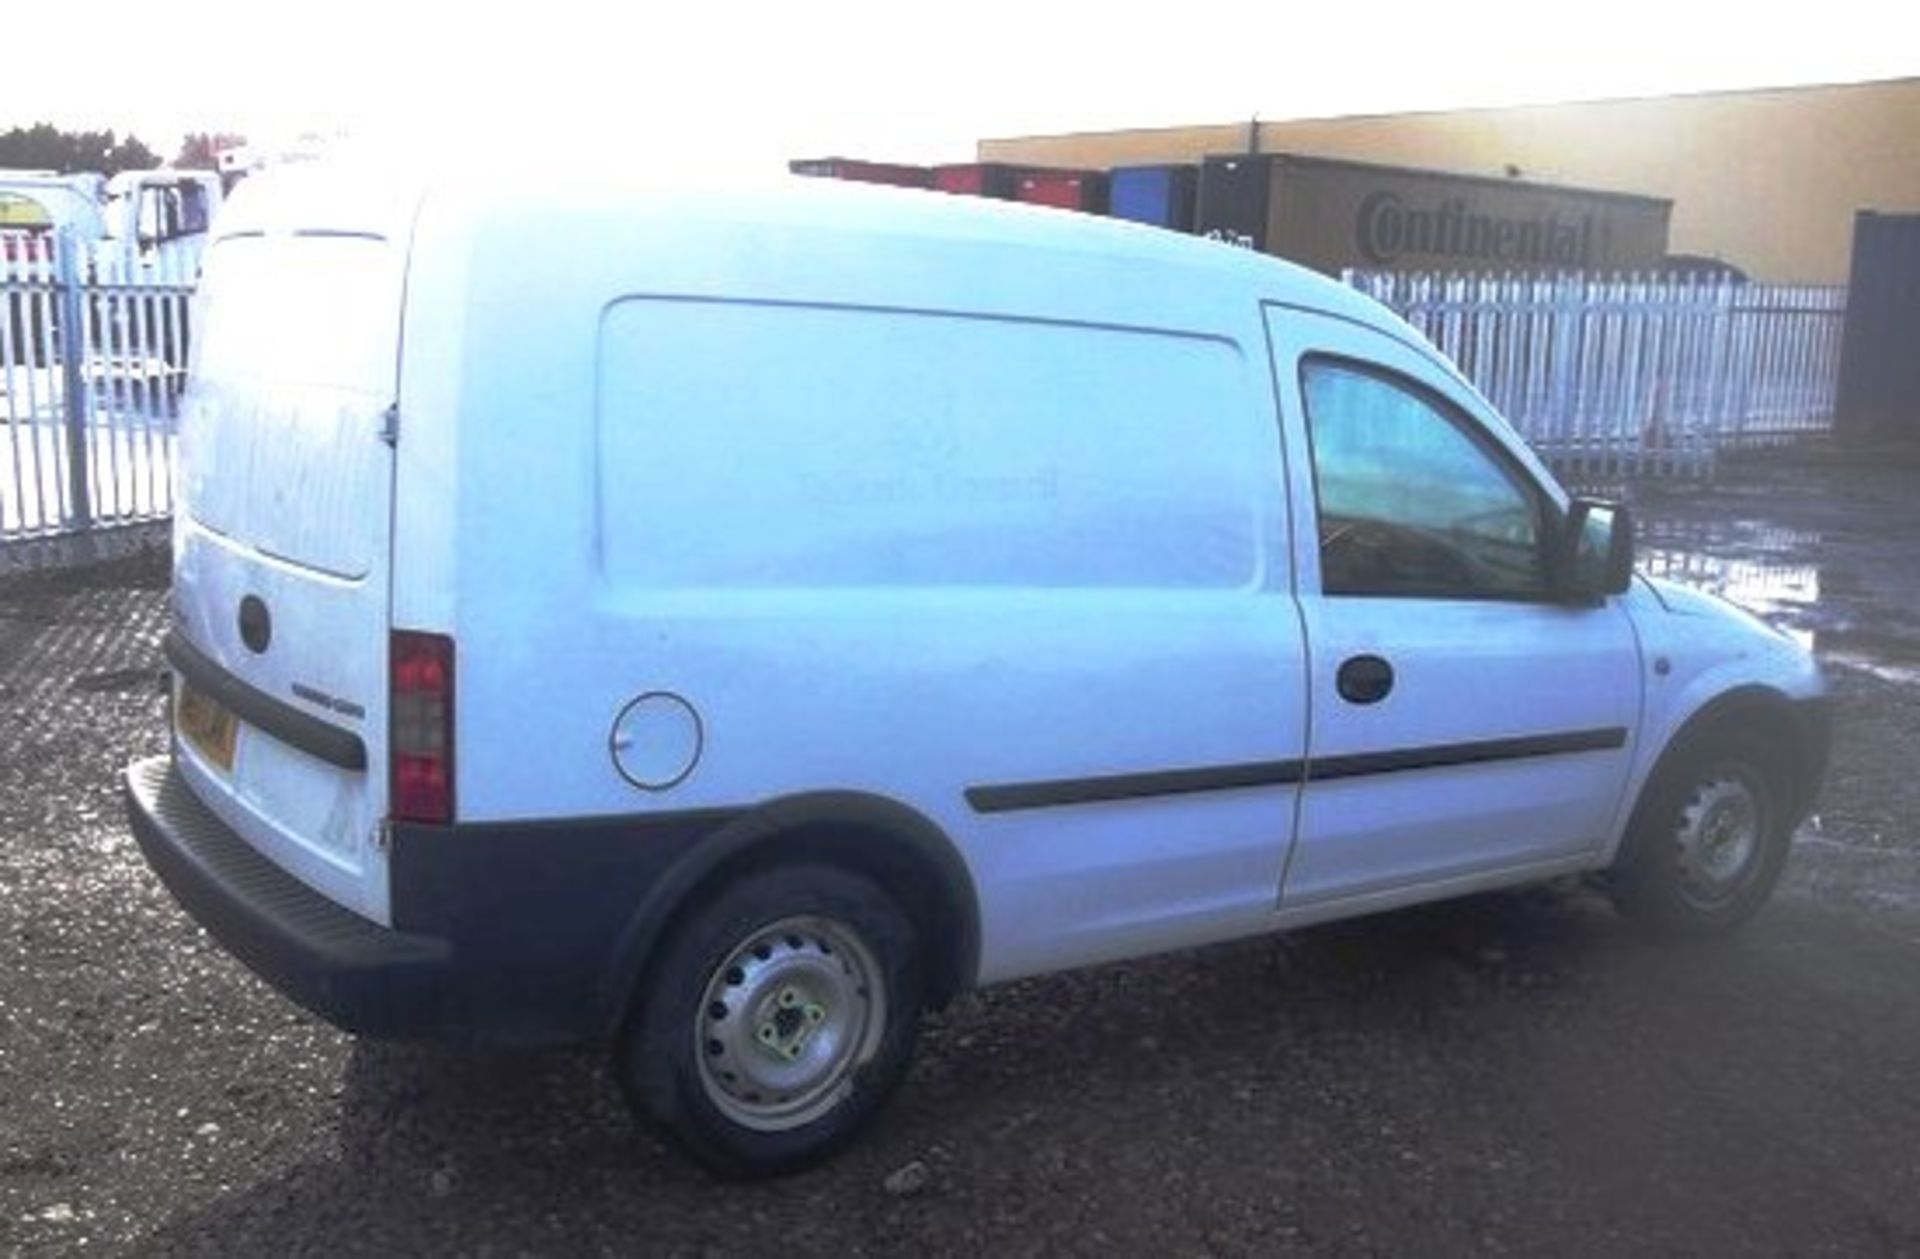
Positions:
{"x": 1596, "y": 550}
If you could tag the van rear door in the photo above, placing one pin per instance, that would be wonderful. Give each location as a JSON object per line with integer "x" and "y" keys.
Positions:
{"x": 282, "y": 536}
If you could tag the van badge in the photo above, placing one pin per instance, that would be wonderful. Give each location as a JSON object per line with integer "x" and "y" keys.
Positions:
{"x": 332, "y": 703}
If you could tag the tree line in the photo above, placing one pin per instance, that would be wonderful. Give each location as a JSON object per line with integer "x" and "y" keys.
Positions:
{"x": 43, "y": 146}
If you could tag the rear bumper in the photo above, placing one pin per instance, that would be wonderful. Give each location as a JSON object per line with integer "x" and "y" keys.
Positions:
{"x": 352, "y": 972}
{"x": 510, "y": 933}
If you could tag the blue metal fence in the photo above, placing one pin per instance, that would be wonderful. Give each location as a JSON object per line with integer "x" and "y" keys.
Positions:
{"x": 93, "y": 352}
{"x": 1633, "y": 374}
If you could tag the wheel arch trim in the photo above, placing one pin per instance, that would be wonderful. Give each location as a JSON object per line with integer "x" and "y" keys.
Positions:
{"x": 1805, "y": 747}
{"x": 761, "y": 828}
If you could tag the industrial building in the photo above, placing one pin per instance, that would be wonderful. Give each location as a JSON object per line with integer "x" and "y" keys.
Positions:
{"x": 1767, "y": 181}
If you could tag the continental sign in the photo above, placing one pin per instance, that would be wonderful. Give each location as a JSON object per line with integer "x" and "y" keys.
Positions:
{"x": 1331, "y": 215}
{"x": 1388, "y": 229}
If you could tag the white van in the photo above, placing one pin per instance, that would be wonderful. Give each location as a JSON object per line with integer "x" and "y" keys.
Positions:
{"x": 718, "y": 625}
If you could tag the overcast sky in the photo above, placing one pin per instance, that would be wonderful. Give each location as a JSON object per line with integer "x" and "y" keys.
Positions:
{"x": 748, "y": 85}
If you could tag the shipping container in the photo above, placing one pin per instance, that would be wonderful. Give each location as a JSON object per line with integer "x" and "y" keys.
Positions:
{"x": 1083, "y": 190}
{"x": 864, "y": 172}
{"x": 1160, "y": 195}
{"x": 1330, "y": 214}
{"x": 980, "y": 179}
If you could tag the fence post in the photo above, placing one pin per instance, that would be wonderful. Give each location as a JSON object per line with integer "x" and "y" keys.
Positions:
{"x": 73, "y": 340}
{"x": 1564, "y": 318}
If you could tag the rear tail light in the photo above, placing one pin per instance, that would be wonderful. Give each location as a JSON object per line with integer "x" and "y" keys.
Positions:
{"x": 420, "y": 749}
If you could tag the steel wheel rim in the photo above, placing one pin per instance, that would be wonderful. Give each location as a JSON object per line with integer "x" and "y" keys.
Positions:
{"x": 1720, "y": 837}
{"x": 786, "y": 1019}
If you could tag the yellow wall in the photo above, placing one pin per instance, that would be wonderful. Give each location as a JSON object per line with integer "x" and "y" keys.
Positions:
{"x": 1767, "y": 180}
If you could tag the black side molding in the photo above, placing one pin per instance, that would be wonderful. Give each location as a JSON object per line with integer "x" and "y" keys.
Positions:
{"x": 1444, "y": 755}
{"x": 1006, "y": 797}
{"x": 278, "y": 718}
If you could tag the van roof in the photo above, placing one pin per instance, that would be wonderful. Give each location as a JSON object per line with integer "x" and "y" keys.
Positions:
{"x": 81, "y": 183}
{"x": 338, "y": 195}
{"x": 159, "y": 175}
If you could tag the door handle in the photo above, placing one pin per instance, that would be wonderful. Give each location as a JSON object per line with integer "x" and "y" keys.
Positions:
{"x": 1364, "y": 679}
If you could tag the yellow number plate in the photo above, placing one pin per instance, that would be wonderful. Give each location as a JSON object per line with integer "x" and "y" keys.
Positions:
{"x": 206, "y": 723}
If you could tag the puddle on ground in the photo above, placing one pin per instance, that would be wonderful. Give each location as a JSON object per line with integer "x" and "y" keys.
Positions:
{"x": 1778, "y": 575}
{"x": 1892, "y": 659}
{"x": 1786, "y": 596}
{"x": 1770, "y": 572}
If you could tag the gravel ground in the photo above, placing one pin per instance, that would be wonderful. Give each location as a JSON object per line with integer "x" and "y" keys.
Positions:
{"x": 1518, "y": 1073}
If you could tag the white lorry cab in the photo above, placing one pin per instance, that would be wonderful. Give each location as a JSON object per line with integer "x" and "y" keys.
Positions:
{"x": 158, "y": 223}
{"x": 717, "y": 625}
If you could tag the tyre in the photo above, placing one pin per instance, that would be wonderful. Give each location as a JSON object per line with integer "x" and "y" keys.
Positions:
{"x": 780, "y": 1017}
{"x": 1708, "y": 843}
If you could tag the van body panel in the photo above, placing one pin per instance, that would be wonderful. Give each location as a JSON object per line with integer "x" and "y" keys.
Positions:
{"x": 431, "y": 456}
{"x": 957, "y": 662}
{"x": 920, "y": 699}
{"x": 318, "y": 818}
{"x": 284, "y": 517}
{"x": 1524, "y": 713}
{"x": 1710, "y": 650}
{"x": 899, "y": 450}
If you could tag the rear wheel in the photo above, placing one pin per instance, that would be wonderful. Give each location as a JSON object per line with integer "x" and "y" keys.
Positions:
{"x": 1709, "y": 842}
{"x": 780, "y": 1018}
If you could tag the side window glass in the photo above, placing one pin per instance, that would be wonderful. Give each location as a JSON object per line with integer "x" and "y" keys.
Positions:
{"x": 149, "y": 215}
{"x": 160, "y": 215}
{"x": 193, "y": 209}
{"x": 1410, "y": 502}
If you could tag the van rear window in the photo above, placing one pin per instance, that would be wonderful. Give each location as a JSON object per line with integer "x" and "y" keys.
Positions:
{"x": 296, "y": 352}
{"x": 307, "y": 310}
{"x": 778, "y": 445}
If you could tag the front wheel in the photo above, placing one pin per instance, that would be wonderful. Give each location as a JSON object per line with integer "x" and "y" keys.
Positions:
{"x": 780, "y": 1018}
{"x": 1709, "y": 842}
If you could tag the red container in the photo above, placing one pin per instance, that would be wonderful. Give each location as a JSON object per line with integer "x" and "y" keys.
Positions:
{"x": 896, "y": 173}
{"x": 979, "y": 179}
{"x": 1082, "y": 190}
